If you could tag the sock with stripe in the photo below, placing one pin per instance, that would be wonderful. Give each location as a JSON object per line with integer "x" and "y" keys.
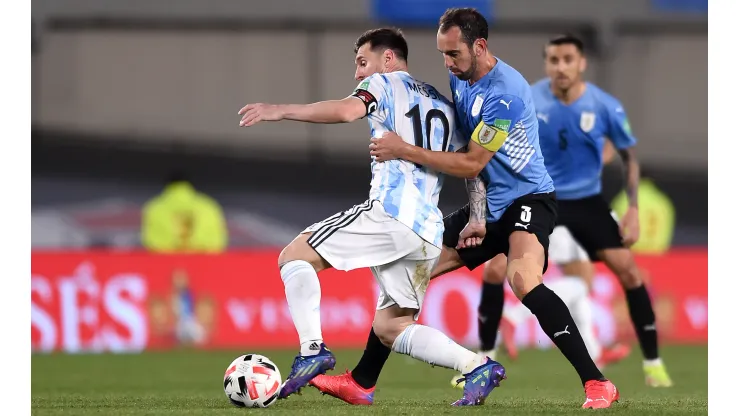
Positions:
{"x": 556, "y": 321}
{"x": 574, "y": 292}
{"x": 643, "y": 318}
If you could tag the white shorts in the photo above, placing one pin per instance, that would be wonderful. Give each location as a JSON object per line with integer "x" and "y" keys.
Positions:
{"x": 366, "y": 236}
{"x": 564, "y": 248}
{"x": 404, "y": 282}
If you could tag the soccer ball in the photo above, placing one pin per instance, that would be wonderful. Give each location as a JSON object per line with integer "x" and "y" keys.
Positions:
{"x": 252, "y": 380}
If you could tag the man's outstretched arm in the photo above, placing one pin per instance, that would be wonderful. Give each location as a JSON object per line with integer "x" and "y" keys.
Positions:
{"x": 327, "y": 112}
{"x": 364, "y": 101}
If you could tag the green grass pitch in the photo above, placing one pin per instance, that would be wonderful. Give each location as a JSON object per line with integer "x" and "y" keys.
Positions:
{"x": 191, "y": 383}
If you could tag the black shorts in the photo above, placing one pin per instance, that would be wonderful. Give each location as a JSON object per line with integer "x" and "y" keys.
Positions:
{"x": 590, "y": 222}
{"x": 534, "y": 213}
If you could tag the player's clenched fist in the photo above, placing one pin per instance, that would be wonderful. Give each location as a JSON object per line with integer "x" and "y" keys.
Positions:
{"x": 472, "y": 235}
{"x": 254, "y": 113}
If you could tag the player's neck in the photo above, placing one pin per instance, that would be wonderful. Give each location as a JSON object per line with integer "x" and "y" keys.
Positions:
{"x": 483, "y": 69}
{"x": 571, "y": 94}
{"x": 397, "y": 67}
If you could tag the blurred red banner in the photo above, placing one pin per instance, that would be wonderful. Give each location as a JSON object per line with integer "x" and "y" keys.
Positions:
{"x": 129, "y": 302}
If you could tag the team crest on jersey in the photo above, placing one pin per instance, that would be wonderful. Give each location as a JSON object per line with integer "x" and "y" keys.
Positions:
{"x": 477, "y": 104}
{"x": 588, "y": 120}
{"x": 486, "y": 134}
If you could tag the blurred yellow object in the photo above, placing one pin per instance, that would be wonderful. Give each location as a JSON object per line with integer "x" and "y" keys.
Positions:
{"x": 657, "y": 218}
{"x": 181, "y": 219}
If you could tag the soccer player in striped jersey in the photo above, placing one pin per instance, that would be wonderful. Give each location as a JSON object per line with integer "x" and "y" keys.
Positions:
{"x": 397, "y": 232}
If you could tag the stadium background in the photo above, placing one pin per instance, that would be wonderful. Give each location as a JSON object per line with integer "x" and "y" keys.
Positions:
{"x": 124, "y": 93}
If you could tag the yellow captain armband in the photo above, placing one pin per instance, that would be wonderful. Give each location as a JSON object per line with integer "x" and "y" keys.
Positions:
{"x": 491, "y": 137}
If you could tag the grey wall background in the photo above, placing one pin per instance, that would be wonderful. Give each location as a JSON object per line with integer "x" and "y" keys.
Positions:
{"x": 125, "y": 91}
{"x": 162, "y": 72}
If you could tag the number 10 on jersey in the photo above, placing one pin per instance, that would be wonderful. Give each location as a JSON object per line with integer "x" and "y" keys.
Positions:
{"x": 425, "y": 141}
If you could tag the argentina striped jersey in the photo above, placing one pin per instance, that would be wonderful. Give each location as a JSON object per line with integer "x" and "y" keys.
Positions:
{"x": 422, "y": 116}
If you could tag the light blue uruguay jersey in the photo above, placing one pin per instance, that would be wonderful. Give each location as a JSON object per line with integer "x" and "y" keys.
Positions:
{"x": 498, "y": 113}
{"x": 572, "y": 137}
{"x": 422, "y": 116}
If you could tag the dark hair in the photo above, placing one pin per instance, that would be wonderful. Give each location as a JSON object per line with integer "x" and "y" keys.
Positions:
{"x": 472, "y": 24}
{"x": 566, "y": 39}
{"x": 387, "y": 38}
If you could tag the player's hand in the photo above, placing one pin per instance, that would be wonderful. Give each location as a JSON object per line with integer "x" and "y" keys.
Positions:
{"x": 386, "y": 148}
{"x": 254, "y": 113}
{"x": 472, "y": 235}
{"x": 630, "y": 226}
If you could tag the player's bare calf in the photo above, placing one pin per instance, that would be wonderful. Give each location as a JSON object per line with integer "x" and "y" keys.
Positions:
{"x": 526, "y": 260}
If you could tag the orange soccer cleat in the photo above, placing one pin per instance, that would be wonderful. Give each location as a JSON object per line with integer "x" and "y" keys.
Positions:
{"x": 600, "y": 394}
{"x": 344, "y": 388}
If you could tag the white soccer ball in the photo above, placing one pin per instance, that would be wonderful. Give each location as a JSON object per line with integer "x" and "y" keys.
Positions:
{"x": 252, "y": 380}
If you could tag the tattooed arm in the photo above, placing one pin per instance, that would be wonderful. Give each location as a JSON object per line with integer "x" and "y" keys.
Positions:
{"x": 477, "y": 196}
{"x": 474, "y": 232}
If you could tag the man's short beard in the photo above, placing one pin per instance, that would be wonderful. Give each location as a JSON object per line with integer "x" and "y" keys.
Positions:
{"x": 467, "y": 75}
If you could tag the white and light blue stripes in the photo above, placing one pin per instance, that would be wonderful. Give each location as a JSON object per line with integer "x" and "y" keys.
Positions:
{"x": 518, "y": 148}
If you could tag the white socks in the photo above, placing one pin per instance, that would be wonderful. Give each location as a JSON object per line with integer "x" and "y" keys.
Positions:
{"x": 432, "y": 346}
{"x": 652, "y": 363}
{"x": 303, "y": 292}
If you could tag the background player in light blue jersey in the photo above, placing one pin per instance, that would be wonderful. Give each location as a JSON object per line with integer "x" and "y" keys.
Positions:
{"x": 397, "y": 232}
{"x": 512, "y": 207}
{"x": 576, "y": 118}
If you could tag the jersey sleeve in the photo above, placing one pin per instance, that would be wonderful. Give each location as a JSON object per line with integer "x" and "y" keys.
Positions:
{"x": 499, "y": 115}
{"x": 618, "y": 125}
{"x": 372, "y": 92}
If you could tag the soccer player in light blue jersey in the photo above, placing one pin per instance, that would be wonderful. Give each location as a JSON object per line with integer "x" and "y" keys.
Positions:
{"x": 576, "y": 118}
{"x": 512, "y": 208}
{"x": 397, "y": 232}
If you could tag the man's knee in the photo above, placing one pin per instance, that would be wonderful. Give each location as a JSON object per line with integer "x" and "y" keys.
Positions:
{"x": 389, "y": 323}
{"x": 622, "y": 263}
{"x": 387, "y": 332}
{"x": 293, "y": 251}
{"x": 524, "y": 274}
{"x": 299, "y": 249}
{"x": 526, "y": 261}
{"x": 495, "y": 270}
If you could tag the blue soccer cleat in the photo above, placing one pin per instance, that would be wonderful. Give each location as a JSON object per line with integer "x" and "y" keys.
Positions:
{"x": 480, "y": 382}
{"x": 306, "y": 368}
